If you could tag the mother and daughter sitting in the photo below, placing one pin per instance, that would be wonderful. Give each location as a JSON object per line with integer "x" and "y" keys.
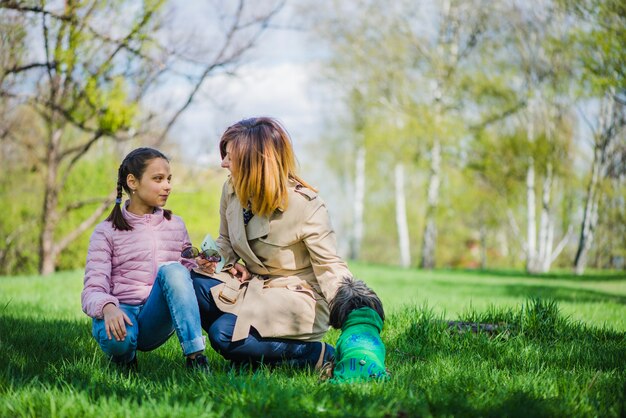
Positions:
{"x": 269, "y": 303}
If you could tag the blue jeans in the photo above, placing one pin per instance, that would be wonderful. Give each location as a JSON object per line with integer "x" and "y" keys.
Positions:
{"x": 254, "y": 349}
{"x": 171, "y": 306}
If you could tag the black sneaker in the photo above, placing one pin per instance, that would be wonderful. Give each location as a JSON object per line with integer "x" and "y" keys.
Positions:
{"x": 200, "y": 362}
{"x": 132, "y": 366}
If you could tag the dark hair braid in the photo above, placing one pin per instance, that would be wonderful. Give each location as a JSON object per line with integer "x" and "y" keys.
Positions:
{"x": 134, "y": 163}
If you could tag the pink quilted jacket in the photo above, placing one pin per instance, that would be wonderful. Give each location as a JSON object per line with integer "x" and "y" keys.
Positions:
{"x": 122, "y": 265}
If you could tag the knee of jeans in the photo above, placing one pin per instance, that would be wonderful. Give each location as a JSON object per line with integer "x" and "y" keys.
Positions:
{"x": 219, "y": 338}
{"x": 201, "y": 292}
{"x": 174, "y": 275}
{"x": 202, "y": 288}
{"x": 115, "y": 348}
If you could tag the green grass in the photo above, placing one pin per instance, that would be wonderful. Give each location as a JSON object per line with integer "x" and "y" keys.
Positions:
{"x": 562, "y": 352}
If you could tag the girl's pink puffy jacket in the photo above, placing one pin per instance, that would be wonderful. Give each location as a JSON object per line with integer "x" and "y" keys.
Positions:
{"x": 122, "y": 265}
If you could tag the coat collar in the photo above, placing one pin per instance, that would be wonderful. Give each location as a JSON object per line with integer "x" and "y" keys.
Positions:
{"x": 240, "y": 232}
{"x": 154, "y": 218}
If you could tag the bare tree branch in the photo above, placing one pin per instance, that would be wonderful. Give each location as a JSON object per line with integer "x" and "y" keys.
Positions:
{"x": 557, "y": 250}
{"x": 22, "y": 68}
{"x": 82, "y": 203}
{"x": 220, "y": 61}
{"x": 490, "y": 119}
{"x": 86, "y": 224}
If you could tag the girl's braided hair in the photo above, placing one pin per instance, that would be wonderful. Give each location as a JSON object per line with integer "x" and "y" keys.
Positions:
{"x": 135, "y": 163}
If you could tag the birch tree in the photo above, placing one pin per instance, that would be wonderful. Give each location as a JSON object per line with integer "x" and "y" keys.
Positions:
{"x": 598, "y": 47}
{"x": 414, "y": 70}
{"x": 354, "y": 46}
{"x": 440, "y": 58}
{"x": 401, "y": 217}
{"x": 544, "y": 82}
{"x": 612, "y": 119}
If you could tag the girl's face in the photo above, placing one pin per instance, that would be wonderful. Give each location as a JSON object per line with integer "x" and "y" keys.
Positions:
{"x": 153, "y": 189}
{"x": 226, "y": 162}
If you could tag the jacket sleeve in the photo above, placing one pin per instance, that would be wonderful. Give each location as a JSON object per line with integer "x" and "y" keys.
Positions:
{"x": 189, "y": 263}
{"x": 97, "y": 282}
{"x": 223, "y": 240}
{"x": 319, "y": 238}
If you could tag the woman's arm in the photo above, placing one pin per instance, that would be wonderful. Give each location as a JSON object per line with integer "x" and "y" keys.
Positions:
{"x": 223, "y": 240}
{"x": 319, "y": 238}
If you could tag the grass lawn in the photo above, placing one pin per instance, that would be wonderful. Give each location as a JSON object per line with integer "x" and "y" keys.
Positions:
{"x": 561, "y": 351}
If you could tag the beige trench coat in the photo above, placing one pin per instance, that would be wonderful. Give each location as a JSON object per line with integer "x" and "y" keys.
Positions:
{"x": 293, "y": 259}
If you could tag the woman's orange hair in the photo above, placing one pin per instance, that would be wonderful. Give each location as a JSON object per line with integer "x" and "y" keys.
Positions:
{"x": 261, "y": 162}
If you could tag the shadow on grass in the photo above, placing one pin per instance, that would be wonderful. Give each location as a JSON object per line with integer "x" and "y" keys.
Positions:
{"x": 58, "y": 353}
{"x": 596, "y": 276}
{"x": 609, "y": 276}
{"x": 558, "y": 293}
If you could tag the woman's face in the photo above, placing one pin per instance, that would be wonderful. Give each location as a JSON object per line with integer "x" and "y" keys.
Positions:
{"x": 226, "y": 162}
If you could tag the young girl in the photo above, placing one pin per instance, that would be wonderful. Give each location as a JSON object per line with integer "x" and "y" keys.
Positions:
{"x": 136, "y": 289}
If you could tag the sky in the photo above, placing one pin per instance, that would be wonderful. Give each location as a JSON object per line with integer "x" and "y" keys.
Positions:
{"x": 278, "y": 79}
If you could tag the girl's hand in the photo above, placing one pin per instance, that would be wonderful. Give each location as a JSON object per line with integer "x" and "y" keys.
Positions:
{"x": 115, "y": 321}
{"x": 206, "y": 266}
{"x": 240, "y": 272}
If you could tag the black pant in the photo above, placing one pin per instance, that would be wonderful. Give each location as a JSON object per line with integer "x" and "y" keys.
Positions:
{"x": 253, "y": 349}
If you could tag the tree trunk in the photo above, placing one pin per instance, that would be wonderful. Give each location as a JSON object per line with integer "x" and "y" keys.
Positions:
{"x": 483, "y": 245}
{"x": 531, "y": 221}
{"x": 50, "y": 216}
{"x": 430, "y": 230}
{"x": 589, "y": 218}
{"x": 401, "y": 218}
{"x": 610, "y": 122}
{"x": 546, "y": 225}
{"x": 358, "y": 204}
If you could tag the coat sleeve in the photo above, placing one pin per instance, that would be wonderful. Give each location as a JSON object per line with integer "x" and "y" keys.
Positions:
{"x": 319, "y": 238}
{"x": 223, "y": 240}
{"x": 97, "y": 281}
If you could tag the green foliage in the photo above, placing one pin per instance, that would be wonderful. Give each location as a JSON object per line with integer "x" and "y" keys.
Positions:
{"x": 541, "y": 362}
{"x": 499, "y": 77}
{"x": 21, "y": 208}
{"x": 196, "y": 198}
{"x": 598, "y": 45}
{"x": 116, "y": 113}
{"x": 92, "y": 179}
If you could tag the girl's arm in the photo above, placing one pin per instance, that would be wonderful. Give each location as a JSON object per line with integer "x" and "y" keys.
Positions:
{"x": 97, "y": 281}
{"x": 189, "y": 263}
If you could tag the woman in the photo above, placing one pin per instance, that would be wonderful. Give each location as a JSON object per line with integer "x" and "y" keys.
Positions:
{"x": 270, "y": 303}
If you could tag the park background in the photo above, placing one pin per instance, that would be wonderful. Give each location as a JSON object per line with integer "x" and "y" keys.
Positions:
{"x": 472, "y": 155}
{"x": 442, "y": 134}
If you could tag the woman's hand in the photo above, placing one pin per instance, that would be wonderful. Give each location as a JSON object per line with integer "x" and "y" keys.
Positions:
{"x": 205, "y": 265}
{"x": 115, "y": 321}
{"x": 240, "y": 272}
